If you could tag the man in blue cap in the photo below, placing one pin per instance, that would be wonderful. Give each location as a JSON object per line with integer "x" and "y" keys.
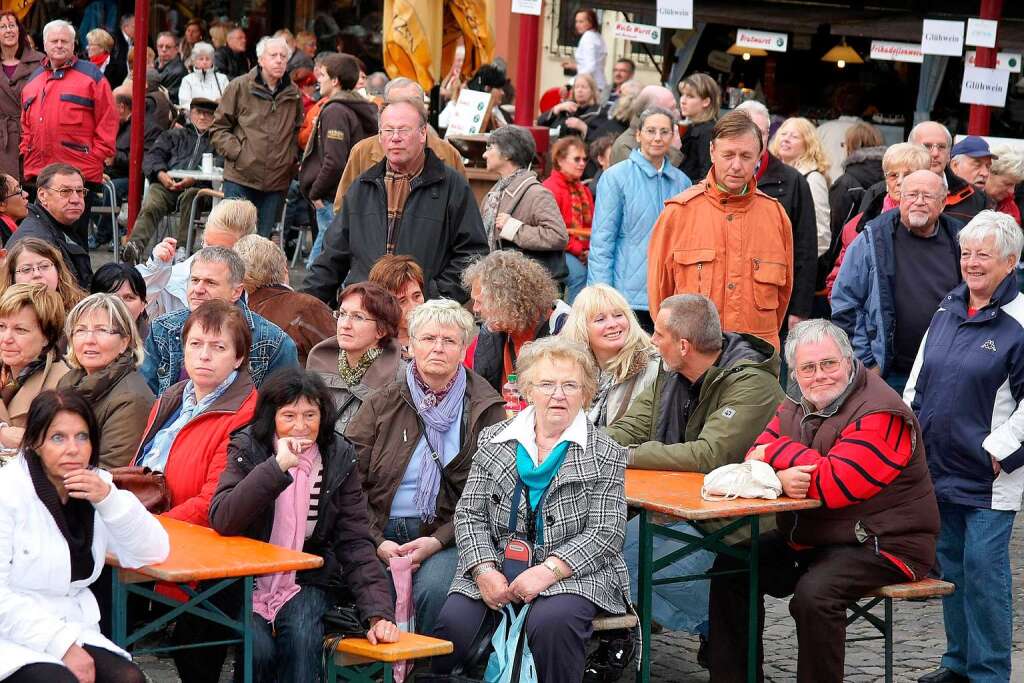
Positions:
{"x": 971, "y": 159}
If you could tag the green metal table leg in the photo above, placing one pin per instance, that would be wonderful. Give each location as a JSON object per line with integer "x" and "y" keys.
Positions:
{"x": 644, "y": 580}
{"x": 120, "y": 609}
{"x": 753, "y": 622}
{"x": 247, "y": 629}
{"x": 389, "y": 673}
{"x": 887, "y": 634}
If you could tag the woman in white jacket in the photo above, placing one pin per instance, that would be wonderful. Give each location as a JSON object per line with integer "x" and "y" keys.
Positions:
{"x": 203, "y": 81}
{"x": 59, "y": 517}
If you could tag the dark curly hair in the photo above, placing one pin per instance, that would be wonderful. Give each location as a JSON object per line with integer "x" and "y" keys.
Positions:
{"x": 284, "y": 387}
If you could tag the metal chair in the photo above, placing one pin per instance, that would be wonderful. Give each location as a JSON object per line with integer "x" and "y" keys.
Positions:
{"x": 215, "y": 196}
{"x": 113, "y": 210}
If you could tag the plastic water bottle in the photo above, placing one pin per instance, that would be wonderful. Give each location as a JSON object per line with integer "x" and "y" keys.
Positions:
{"x": 514, "y": 403}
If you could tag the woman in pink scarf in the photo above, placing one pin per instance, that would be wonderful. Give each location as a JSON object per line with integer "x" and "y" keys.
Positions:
{"x": 291, "y": 480}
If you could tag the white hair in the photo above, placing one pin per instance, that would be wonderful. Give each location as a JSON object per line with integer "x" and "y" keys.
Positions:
{"x": 754, "y": 107}
{"x": 1008, "y": 236}
{"x": 1010, "y": 163}
{"x": 56, "y": 24}
{"x": 200, "y": 49}
{"x": 444, "y": 312}
{"x": 812, "y": 332}
{"x": 916, "y": 129}
{"x": 265, "y": 42}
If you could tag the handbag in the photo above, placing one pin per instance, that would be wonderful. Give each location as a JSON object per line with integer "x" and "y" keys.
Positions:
{"x": 149, "y": 486}
{"x": 750, "y": 479}
{"x": 512, "y": 660}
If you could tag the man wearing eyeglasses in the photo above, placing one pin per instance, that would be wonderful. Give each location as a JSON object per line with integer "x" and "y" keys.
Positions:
{"x": 410, "y": 203}
{"x": 895, "y": 275}
{"x": 60, "y": 203}
{"x": 963, "y": 200}
{"x": 847, "y": 440}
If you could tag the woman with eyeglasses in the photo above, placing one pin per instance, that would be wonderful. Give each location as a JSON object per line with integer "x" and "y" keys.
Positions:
{"x": 19, "y": 61}
{"x": 415, "y": 439}
{"x": 364, "y": 355}
{"x": 104, "y": 353}
{"x": 31, "y": 323}
{"x": 32, "y": 260}
{"x": 13, "y": 205}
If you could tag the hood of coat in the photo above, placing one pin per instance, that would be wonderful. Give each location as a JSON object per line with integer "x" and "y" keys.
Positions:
{"x": 864, "y": 155}
{"x": 98, "y": 385}
{"x": 366, "y": 112}
{"x": 749, "y": 350}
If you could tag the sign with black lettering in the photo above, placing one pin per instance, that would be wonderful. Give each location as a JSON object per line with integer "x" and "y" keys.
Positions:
{"x": 942, "y": 37}
{"x": 984, "y": 86}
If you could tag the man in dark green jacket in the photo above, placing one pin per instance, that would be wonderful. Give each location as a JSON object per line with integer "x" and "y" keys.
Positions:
{"x": 704, "y": 412}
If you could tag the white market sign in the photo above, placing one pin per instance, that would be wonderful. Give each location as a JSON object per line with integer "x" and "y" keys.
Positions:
{"x": 1011, "y": 61}
{"x": 637, "y": 33}
{"x": 675, "y": 14}
{"x": 982, "y": 32}
{"x": 526, "y": 7}
{"x": 896, "y": 52}
{"x": 984, "y": 86}
{"x": 942, "y": 37}
{"x": 763, "y": 40}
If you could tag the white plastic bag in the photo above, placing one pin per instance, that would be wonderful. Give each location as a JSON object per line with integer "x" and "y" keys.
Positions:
{"x": 750, "y": 479}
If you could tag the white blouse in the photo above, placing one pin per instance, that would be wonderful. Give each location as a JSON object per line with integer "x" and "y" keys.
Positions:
{"x": 590, "y": 57}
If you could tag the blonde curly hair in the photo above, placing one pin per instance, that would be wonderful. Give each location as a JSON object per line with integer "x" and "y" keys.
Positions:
{"x": 518, "y": 291}
{"x": 814, "y": 153}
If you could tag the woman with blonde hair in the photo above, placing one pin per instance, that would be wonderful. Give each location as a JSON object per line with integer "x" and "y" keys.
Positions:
{"x": 33, "y": 260}
{"x": 1007, "y": 172}
{"x": 104, "y": 352}
{"x": 700, "y": 100}
{"x": 796, "y": 144}
{"x": 602, "y": 320}
{"x": 574, "y": 115}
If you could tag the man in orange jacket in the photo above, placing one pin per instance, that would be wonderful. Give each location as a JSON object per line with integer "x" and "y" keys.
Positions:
{"x": 725, "y": 239}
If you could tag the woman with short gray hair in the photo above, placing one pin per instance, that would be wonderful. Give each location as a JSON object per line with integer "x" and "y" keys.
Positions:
{"x": 967, "y": 389}
{"x": 204, "y": 81}
{"x": 1006, "y": 173}
{"x": 519, "y": 212}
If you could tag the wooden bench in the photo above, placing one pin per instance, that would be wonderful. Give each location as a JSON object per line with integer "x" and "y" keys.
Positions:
{"x": 916, "y": 590}
{"x": 615, "y": 622}
{"x": 356, "y": 660}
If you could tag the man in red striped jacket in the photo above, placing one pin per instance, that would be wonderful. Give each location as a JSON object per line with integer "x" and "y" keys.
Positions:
{"x": 845, "y": 438}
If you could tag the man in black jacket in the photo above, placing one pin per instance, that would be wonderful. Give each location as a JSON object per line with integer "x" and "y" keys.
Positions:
{"x": 232, "y": 59}
{"x": 59, "y": 204}
{"x": 785, "y": 184}
{"x": 410, "y": 203}
{"x": 169, "y": 64}
{"x": 175, "y": 150}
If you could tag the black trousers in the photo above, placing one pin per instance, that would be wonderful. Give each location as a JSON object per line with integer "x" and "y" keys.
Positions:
{"x": 557, "y": 629}
{"x": 824, "y": 582}
{"x": 204, "y": 664}
{"x": 110, "y": 668}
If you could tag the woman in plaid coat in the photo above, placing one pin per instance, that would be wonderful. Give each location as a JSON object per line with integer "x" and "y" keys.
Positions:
{"x": 568, "y": 479}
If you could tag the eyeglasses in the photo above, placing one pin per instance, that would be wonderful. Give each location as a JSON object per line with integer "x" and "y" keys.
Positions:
{"x": 41, "y": 268}
{"x": 20, "y": 190}
{"x": 658, "y": 132}
{"x": 826, "y": 366}
{"x": 66, "y": 192}
{"x": 341, "y": 315}
{"x": 935, "y": 146}
{"x": 431, "y": 340}
{"x": 98, "y": 332}
{"x": 397, "y": 133}
{"x": 912, "y": 197}
{"x": 897, "y": 175}
{"x": 549, "y": 388}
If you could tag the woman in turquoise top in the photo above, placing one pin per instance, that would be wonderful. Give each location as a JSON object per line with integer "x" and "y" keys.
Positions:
{"x": 548, "y": 478}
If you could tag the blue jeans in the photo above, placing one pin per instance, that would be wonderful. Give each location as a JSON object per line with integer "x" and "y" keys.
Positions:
{"x": 324, "y": 218}
{"x": 432, "y": 581}
{"x": 577, "y": 277}
{"x": 676, "y": 606}
{"x": 288, "y": 651}
{"x": 974, "y": 554}
{"x": 268, "y": 204}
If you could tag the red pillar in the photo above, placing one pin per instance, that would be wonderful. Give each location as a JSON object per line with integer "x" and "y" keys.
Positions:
{"x": 526, "y": 70}
{"x": 138, "y": 111}
{"x": 978, "y": 124}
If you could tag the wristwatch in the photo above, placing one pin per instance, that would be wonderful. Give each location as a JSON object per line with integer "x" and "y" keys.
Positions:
{"x": 483, "y": 568}
{"x": 553, "y": 566}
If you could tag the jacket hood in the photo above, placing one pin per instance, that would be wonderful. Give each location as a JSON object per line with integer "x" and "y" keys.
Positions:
{"x": 97, "y": 386}
{"x": 746, "y": 349}
{"x": 865, "y": 154}
{"x": 363, "y": 110}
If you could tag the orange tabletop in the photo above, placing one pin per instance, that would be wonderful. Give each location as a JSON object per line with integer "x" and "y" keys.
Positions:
{"x": 409, "y": 646}
{"x": 677, "y": 494}
{"x": 199, "y": 553}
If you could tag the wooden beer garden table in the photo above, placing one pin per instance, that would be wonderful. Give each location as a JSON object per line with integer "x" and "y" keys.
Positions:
{"x": 677, "y": 495}
{"x": 199, "y": 554}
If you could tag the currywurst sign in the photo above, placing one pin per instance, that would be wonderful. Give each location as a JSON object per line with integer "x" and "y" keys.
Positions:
{"x": 984, "y": 86}
{"x": 942, "y": 37}
{"x": 775, "y": 42}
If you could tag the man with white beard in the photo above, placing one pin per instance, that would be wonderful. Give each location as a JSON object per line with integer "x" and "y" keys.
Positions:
{"x": 894, "y": 276}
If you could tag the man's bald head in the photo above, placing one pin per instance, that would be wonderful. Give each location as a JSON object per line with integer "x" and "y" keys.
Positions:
{"x": 653, "y": 96}
{"x": 922, "y": 199}
{"x": 937, "y": 139}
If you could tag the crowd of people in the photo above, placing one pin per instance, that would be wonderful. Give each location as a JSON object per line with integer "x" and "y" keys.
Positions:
{"x": 685, "y": 289}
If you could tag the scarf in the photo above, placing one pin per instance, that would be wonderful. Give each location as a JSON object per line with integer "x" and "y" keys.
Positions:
{"x": 397, "y": 185}
{"x": 76, "y": 519}
{"x": 581, "y": 213}
{"x": 489, "y": 211}
{"x": 438, "y": 412}
{"x": 100, "y": 60}
{"x": 352, "y": 376}
{"x": 889, "y": 203}
{"x": 12, "y": 385}
{"x": 289, "y": 531}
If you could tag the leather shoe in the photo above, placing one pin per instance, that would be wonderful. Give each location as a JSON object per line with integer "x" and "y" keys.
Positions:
{"x": 943, "y": 675}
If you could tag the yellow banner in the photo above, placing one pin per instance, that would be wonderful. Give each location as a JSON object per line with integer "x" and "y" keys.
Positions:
{"x": 19, "y": 7}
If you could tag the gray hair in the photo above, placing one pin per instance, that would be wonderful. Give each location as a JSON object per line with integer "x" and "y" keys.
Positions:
{"x": 417, "y": 104}
{"x": 556, "y": 348}
{"x": 372, "y": 86}
{"x": 265, "y": 42}
{"x": 444, "y": 312}
{"x": 120, "y": 320}
{"x": 201, "y": 49}
{"x": 646, "y": 98}
{"x": 515, "y": 143}
{"x": 1009, "y": 164}
{"x": 401, "y": 83}
{"x": 1008, "y": 236}
{"x": 56, "y": 24}
{"x": 228, "y": 257}
{"x": 694, "y": 317}
{"x": 812, "y": 332}
{"x": 628, "y": 92}
{"x": 754, "y": 107}
{"x": 655, "y": 111}
{"x": 916, "y": 129}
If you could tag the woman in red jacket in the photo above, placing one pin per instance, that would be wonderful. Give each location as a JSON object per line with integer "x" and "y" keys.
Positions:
{"x": 569, "y": 156}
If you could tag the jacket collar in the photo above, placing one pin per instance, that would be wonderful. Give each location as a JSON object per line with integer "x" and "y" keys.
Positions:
{"x": 324, "y": 358}
{"x": 228, "y": 402}
{"x": 959, "y": 299}
{"x": 67, "y": 65}
{"x": 97, "y": 386}
{"x": 526, "y": 179}
{"x": 433, "y": 170}
{"x": 721, "y": 198}
{"x": 637, "y": 157}
{"x": 522, "y": 431}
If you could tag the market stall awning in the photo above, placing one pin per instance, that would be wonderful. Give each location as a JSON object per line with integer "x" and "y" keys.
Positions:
{"x": 907, "y": 28}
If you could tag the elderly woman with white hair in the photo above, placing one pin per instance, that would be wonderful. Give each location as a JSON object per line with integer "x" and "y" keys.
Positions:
{"x": 204, "y": 81}
{"x": 519, "y": 212}
{"x": 552, "y": 481}
{"x": 415, "y": 438}
{"x": 1006, "y": 173}
{"x": 602, "y": 321}
{"x": 967, "y": 388}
